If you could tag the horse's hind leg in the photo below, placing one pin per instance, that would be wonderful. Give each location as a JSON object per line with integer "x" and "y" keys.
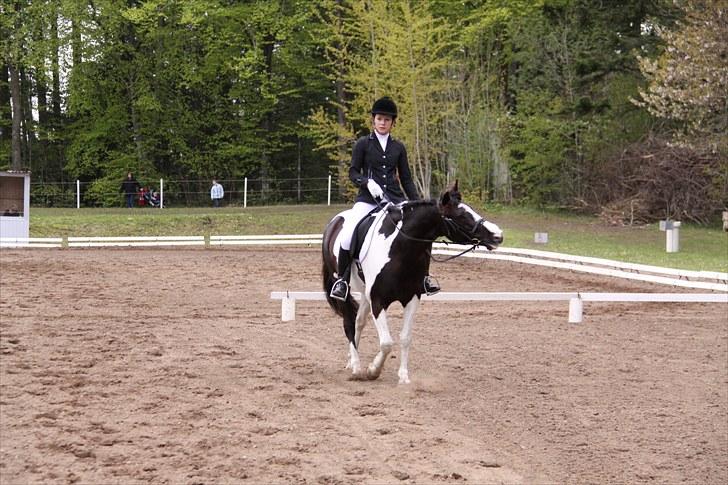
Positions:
{"x": 405, "y": 338}
{"x": 385, "y": 346}
{"x": 350, "y": 330}
{"x": 362, "y": 317}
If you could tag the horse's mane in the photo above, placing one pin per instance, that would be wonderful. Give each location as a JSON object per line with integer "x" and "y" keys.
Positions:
{"x": 419, "y": 202}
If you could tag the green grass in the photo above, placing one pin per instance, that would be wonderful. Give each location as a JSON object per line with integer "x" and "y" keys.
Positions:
{"x": 701, "y": 248}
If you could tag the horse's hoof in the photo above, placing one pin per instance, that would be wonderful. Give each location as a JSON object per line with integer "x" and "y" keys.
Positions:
{"x": 373, "y": 373}
{"x": 404, "y": 378}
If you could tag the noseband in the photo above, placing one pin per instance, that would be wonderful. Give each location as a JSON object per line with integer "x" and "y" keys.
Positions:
{"x": 455, "y": 228}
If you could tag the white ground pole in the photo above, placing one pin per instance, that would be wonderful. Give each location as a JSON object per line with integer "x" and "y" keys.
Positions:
{"x": 328, "y": 202}
{"x": 576, "y": 305}
{"x": 161, "y": 193}
{"x": 78, "y": 194}
{"x": 245, "y": 193}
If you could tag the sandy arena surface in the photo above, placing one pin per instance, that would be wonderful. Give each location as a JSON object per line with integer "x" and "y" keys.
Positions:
{"x": 173, "y": 366}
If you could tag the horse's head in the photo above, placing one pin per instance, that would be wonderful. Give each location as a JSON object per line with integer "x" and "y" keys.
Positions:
{"x": 465, "y": 226}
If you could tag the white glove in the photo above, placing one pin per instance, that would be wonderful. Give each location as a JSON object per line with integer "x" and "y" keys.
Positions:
{"x": 374, "y": 189}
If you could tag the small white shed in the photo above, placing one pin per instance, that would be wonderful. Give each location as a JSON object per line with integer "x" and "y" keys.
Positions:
{"x": 14, "y": 204}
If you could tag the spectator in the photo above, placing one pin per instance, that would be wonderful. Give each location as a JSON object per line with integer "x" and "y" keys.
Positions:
{"x": 216, "y": 193}
{"x": 129, "y": 187}
{"x": 12, "y": 212}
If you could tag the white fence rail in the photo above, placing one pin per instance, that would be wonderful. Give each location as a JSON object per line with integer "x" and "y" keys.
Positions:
{"x": 265, "y": 240}
{"x": 31, "y": 242}
{"x": 576, "y": 300}
{"x": 705, "y": 280}
{"x": 141, "y": 241}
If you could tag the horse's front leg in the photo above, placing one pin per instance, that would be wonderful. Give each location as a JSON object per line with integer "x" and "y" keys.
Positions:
{"x": 405, "y": 338}
{"x": 385, "y": 345}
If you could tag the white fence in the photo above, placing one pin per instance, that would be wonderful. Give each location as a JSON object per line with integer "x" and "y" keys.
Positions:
{"x": 576, "y": 300}
{"x": 705, "y": 280}
{"x": 31, "y": 242}
{"x": 141, "y": 241}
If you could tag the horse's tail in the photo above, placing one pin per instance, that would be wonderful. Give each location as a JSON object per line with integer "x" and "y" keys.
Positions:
{"x": 346, "y": 309}
{"x": 342, "y": 308}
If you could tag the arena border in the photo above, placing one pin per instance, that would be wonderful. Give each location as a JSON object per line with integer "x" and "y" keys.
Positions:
{"x": 640, "y": 272}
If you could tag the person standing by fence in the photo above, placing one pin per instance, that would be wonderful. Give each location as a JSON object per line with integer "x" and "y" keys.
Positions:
{"x": 130, "y": 188}
{"x": 216, "y": 193}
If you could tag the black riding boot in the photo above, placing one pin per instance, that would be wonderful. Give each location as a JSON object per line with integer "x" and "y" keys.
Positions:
{"x": 431, "y": 285}
{"x": 340, "y": 290}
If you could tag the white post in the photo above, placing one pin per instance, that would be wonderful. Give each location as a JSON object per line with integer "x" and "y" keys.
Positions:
{"x": 288, "y": 309}
{"x": 78, "y": 194}
{"x": 672, "y": 241}
{"x": 245, "y": 193}
{"x": 329, "y": 198}
{"x": 161, "y": 193}
{"x": 576, "y": 307}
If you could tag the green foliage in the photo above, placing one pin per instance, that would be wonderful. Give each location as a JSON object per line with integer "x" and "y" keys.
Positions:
{"x": 104, "y": 193}
{"x": 50, "y": 195}
{"x": 688, "y": 82}
{"x": 522, "y": 100}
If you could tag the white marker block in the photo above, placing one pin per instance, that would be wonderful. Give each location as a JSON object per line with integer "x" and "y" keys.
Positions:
{"x": 288, "y": 309}
{"x": 576, "y": 307}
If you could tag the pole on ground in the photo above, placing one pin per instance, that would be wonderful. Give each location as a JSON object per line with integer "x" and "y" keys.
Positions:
{"x": 329, "y": 198}
{"x": 245, "y": 193}
{"x": 78, "y": 194}
{"x": 161, "y": 193}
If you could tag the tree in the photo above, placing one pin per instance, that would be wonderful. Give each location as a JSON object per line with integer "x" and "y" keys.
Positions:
{"x": 688, "y": 82}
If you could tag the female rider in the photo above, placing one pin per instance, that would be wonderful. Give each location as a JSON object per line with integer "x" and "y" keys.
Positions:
{"x": 378, "y": 166}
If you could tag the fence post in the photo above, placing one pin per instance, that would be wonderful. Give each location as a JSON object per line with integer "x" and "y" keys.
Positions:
{"x": 161, "y": 193}
{"x": 245, "y": 193}
{"x": 78, "y": 194}
{"x": 329, "y": 196}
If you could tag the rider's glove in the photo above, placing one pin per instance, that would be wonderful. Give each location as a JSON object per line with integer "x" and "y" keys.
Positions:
{"x": 374, "y": 189}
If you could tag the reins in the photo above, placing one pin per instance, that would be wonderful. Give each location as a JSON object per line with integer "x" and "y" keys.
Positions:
{"x": 449, "y": 224}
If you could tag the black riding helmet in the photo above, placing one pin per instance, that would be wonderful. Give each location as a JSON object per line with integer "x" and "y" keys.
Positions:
{"x": 384, "y": 106}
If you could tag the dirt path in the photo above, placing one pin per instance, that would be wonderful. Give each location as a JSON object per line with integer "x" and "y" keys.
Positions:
{"x": 172, "y": 366}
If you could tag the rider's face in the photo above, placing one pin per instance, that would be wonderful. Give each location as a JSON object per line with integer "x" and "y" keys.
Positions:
{"x": 383, "y": 123}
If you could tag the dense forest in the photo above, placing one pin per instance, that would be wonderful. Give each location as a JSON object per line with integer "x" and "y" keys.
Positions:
{"x": 615, "y": 108}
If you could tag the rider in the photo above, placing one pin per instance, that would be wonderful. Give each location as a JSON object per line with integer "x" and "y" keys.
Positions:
{"x": 378, "y": 165}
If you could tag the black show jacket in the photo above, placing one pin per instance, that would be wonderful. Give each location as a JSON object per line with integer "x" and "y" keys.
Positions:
{"x": 387, "y": 168}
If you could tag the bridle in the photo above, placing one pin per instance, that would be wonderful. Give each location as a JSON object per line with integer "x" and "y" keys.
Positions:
{"x": 452, "y": 228}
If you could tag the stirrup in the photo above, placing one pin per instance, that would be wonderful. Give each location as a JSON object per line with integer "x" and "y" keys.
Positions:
{"x": 337, "y": 294}
{"x": 431, "y": 286}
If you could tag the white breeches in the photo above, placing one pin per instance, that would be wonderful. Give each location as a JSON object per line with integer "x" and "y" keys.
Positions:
{"x": 351, "y": 219}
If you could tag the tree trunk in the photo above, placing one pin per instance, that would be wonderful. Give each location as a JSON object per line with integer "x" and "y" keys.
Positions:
{"x": 16, "y": 160}
{"x": 28, "y": 124}
{"x": 5, "y": 106}
{"x": 267, "y": 122}
{"x": 55, "y": 66}
{"x": 342, "y": 156}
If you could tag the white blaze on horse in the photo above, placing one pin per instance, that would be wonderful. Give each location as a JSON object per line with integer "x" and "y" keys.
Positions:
{"x": 391, "y": 266}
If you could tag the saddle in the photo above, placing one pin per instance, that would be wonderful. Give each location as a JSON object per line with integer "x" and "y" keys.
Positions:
{"x": 359, "y": 237}
{"x": 360, "y": 233}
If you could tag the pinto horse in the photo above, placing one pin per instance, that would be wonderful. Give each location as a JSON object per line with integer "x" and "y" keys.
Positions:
{"x": 392, "y": 264}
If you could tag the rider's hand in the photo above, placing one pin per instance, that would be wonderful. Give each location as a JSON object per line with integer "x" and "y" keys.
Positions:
{"x": 375, "y": 189}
